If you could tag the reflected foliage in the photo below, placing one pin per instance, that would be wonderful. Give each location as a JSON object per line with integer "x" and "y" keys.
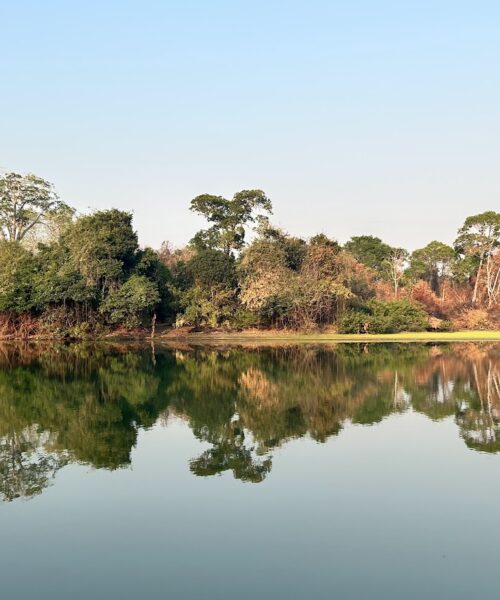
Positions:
{"x": 86, "y": 404}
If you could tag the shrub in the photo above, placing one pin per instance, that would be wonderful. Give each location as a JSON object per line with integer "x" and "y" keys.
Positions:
{"x": 244, "y": 319}
{"x": 355, "y": 320}
{"x": 423, "y": 294}
{"x": 131, "y": 303}
{"x": 446, "y": 325}
{"x": 206, "y": 308}
{"x": 378, "y": 316}
{"x": 473, "y": 318}
{"x": 275, "y": 309}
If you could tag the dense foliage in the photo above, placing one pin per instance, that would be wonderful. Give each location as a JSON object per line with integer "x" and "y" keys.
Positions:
{"x": 377, "y": 316}
{"x": 62, "y": 274}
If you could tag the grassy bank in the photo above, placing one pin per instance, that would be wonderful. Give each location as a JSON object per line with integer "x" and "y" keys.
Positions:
{"x": 171, "y": 335}
{"x": 268, "y": 336}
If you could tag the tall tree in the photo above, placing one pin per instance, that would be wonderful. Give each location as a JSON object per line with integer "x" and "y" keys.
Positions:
{"x": 26, "y": 202}
{"x": 103, "y": 247}
{"x": 229, "y": 218}
{"x": 371, "y": 251}
{"x": 479, "y": 237}
{"x": 433, "y": 264}
{"x": 396, "y": 265}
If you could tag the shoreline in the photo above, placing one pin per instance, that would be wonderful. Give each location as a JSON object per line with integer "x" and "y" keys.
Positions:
{"x": 172, "y": 336}
{"x": 455, "y": 336}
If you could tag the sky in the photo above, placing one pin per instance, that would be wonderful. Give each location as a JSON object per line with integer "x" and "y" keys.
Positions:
{"x": 355, "y": 117}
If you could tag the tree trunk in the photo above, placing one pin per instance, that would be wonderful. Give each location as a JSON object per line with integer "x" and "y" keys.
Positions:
{"x": 476, "y": 284}
{"x": 153, "y": 325}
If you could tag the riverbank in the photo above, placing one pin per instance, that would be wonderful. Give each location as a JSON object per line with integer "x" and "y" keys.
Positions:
{"x": 285, "y": 336}
{"x": 172, "y": 335}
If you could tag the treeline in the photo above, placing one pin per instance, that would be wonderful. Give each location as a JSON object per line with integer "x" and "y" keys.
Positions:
{"x": 63, "y": 274}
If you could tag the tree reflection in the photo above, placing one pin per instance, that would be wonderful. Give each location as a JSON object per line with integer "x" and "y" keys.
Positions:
{"x": 86, "y": 404}
{"x": 230, "y": 453}
{"x": 26, "y": 466}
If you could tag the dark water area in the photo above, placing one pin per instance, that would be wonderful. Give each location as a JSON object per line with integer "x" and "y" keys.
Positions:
{"x": 306, "y": 471}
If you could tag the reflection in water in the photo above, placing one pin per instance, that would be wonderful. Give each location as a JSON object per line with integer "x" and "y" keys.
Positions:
{"x": 86, "y": 404}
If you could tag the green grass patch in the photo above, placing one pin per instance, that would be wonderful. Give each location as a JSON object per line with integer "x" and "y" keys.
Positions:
{"x": 425, "y": 336}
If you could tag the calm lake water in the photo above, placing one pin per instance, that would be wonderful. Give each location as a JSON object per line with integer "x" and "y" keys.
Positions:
{"x": 211, "y": 473}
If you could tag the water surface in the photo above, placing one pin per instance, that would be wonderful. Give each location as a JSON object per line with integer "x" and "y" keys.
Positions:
{"x": 275, "y": 472}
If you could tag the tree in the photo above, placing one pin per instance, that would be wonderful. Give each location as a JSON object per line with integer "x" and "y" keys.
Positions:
{"x": 371, "y": 251}
{"x": 26, "y": 202}
{"x": 229, "y": 218}
{"x": 433, "y": 264}
{"x": 103, "y": 247}
{"x": 93, "y": 257}
{"x": 57, "y": 279}
{"x": 17, "y": 271}
{"x": 295, "y": 248}
{"x": 323, "y": 287}
{"x": 212, "y": 268}
{"x": 210, "y": 298}
{"x": 150, "y": 266}
{"x": 479, "y": 237}
{"x": 55, "y": 224}
{"x": 396, "y": 265}
{"x": 320, "y": 239}
{"x": 265, "y": 277}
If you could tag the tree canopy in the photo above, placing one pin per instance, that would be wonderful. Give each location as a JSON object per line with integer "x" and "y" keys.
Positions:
{"x": 371, "y": 251}
{"x": 229, "y": 218}
{"x": 26, "y": 202}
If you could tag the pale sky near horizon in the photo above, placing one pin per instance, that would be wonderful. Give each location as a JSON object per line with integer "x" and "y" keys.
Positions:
{"x": 355, "y": 117}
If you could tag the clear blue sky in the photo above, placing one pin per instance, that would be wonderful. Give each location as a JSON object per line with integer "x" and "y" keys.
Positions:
{"x": 355, "y": 117}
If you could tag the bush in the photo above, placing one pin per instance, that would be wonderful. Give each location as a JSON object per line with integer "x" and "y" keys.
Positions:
{"x": 354, "y": 320}
{"x": 275, "y": 310}
{"x": 472, "y": 318}
{"x": 131, "y": 303}
{"x": 378, "y": 316}
{"x": 206, "y": 308}
{"x": 244, "y": 319}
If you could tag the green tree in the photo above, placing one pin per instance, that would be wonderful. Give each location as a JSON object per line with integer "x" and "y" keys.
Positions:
{"x": 17, "y": 269}
{"x": 479, "y": 237}
{"x": 102, "y": 247}
{"x": 433, "y": 263}
{"x": 150, "y": 266}
{"x": 57, "y": 280}
{"x": 294, "y": 248}
{"x": 371, "y": 251}
{"x": 229, "y": 218}
{"x": 210, "y": 299}
{"x": 26, "y": 202}
{"x": 209, "y": 268}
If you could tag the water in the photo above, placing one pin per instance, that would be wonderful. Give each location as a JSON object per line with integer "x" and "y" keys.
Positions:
{"x": 293, "y": 472}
